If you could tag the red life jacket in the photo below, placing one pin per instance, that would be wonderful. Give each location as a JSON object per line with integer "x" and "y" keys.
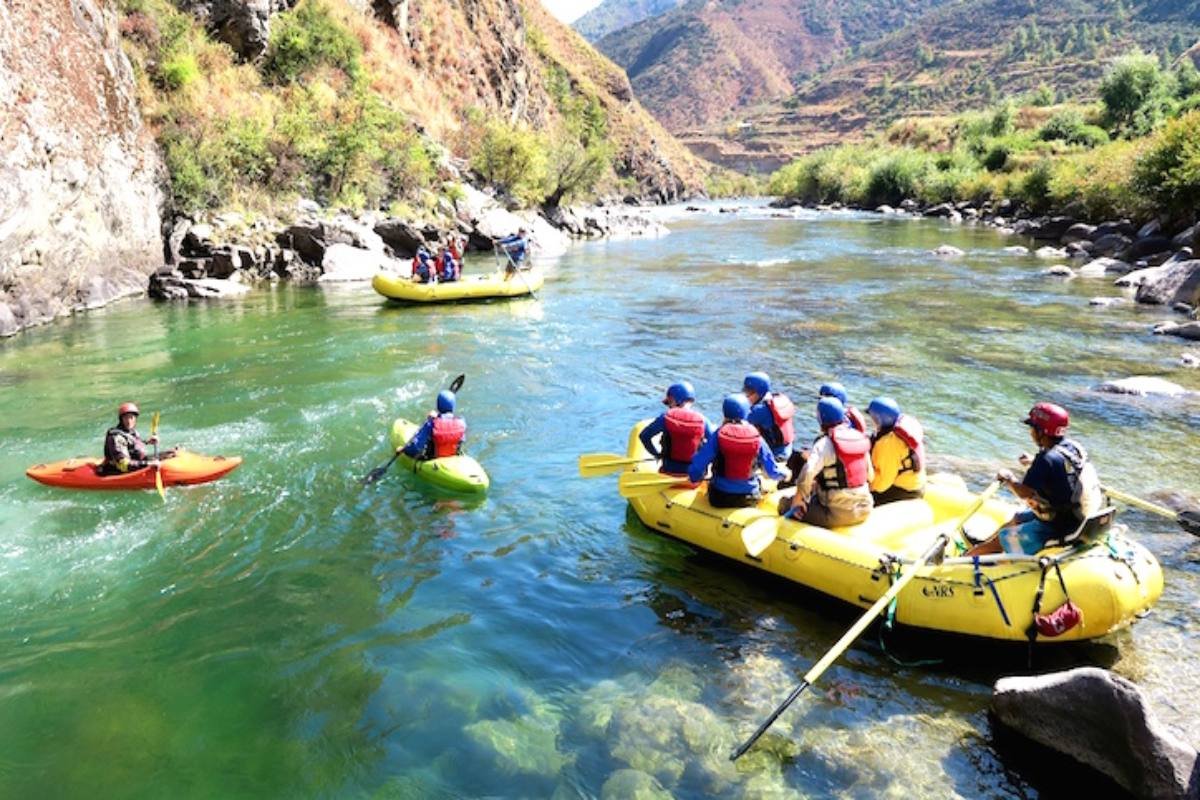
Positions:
{"x": 856, "y": 419}
{"x": 737, "y": 450}
{"x": 448, "y": 435}
{"x": 853, "y": 458}
{"x": 682, "y": 435}
{"x": 912, "y": 434}
{"x": 782, "y": 411}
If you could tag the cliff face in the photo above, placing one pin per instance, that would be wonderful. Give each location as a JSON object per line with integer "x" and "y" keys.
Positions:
{"x": 79, "y": 196}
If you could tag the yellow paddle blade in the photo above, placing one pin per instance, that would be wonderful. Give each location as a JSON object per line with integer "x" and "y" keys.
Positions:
{"x": 154, "y": 423}
{"x": 158, "y": 483}
{"x": 758, "y": 535}
{"x": 641, "y": 484}
{"x": 593, "y": 465}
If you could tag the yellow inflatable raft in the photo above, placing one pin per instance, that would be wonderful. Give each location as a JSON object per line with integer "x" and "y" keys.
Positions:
{"x": 475, "y": 287}
{"x": 1111, "y": 579}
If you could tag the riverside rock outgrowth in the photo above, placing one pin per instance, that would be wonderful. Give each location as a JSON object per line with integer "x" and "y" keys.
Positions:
{"x": 79, "y": 173}
{"x": 1102, "y": 721}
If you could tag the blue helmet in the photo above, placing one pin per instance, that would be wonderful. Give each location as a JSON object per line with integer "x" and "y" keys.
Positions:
{"x": 445, "y": 401}
{"x": 885, "y": 411}
{"x": 735, "y": 407}
{"x": 834, "y": 389}
{"x": 680, "y": 392}
{"x": 757, "y": 382}
{"x": 830, "y": 412}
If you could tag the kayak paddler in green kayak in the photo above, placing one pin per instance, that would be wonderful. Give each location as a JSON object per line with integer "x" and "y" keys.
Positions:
{"x": 441, "y": 436}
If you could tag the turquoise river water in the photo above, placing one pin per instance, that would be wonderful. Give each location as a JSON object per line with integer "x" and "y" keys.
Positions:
{"x": 286, "y": 632}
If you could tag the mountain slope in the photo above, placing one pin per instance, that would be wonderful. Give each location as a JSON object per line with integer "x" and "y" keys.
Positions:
{"x": 697, "y": 64}
{"x": 613, "y": 15}
{"x": 965, "y": 55}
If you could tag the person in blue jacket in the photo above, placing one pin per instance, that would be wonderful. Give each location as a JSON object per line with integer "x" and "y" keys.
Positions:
{"x": 516, "y": 245}
{"x": 422, "y": 266}
{"x": 737, "y": 448}
{"x": 442, "y": 435}
{"x": 770, "y": 412}
{"x": 683, "y": 430}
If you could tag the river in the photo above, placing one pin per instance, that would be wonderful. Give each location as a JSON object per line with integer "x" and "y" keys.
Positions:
{"x": 287, "y": 633}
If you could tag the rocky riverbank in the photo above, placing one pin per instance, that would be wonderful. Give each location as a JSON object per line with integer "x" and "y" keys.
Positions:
{"x": 220, "y": 255}
{"x": 1154, "y": 260}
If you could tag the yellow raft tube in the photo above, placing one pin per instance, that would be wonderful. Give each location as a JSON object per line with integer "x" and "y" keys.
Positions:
{"x": 474, "y": 287}
{"x": 1113, "y": 580}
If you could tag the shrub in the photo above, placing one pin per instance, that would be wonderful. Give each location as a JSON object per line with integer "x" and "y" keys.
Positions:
{"x": 897, "y": 176}
{"x": 513, "y": 159}
{"x": 1136, "y": 94}
{"x": 178, "y": 71}
{"x": 1034, "y": 187}
{"x": 1168, "y": 171}
{"x": 573, "y": 170}
{"x": 307, "y": 37}
{"x": 1068, "y": 126}
{"x": 1101, "y": 181}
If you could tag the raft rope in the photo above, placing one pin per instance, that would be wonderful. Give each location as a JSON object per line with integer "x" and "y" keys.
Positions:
{"x": 889, "y": 619}
{"x": 979, "y": 578}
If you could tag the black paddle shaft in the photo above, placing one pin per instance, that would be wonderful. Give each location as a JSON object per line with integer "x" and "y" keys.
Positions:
{"x": 1189, "y": 521}
{"x": 746, "y": 745}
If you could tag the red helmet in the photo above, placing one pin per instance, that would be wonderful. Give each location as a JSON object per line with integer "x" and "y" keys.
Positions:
{"x": 1049, "y": 419}
{"x": 128, "y": 408}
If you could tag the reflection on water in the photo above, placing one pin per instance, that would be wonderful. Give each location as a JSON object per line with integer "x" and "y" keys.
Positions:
{"x": 288, "y": 633}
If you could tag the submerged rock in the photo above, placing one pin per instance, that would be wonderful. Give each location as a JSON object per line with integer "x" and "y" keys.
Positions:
{"x": 1189, "y": 360}
{"x": 526, "y": 744}
{"x": 1103, "y": 721}
{"x": 948, "y": 251}
{"x": 1099, "y": 267}
{"x": 1142, "y": 386}
{"x": 1104, "y": 302}
{"x": 1059, "y": 271}
{"x": 1050, "y": 252}
{"x": 1017, "y": 250}
{"x": 632, "y": 784}
{"x": 1185, "y": 330}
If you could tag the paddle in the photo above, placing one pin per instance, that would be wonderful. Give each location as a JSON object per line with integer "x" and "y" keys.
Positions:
{"x": 758, "y": 535}
{"x": 516, "y": 269}
{"x": 856, "y": 630}
{"x": 642, "y": 484}
{"x": 1189, "y": 519}
{"x": 593, "y": 465}
{"x": 379, "y": 472}
{"x": 158, "y": 481}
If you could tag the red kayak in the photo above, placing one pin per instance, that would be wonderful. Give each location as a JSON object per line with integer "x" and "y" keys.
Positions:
{"x": 184, "y": 469}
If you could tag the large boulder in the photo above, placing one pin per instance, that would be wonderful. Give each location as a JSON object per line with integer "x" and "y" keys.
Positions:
{"x": 1053, "y": 228}
{"x": 171, "y": 285}
{"x": 1185, "y": 238}
{"x": 1050, "y": 252}
{"x": 1124, "y": 227}
{"x": 1138, "y": 276}
{"x": 1111, "y": 244}
{"x": 1147, "y": 247}
{"x": 1104, "y": 722}
{"x": 1142, "y": 386}
{"x": 403, "y": 237}
{"x": 344, "y": 262}
{"x": 1079, "y": 232}
{"x": 1178, "y": 282}
{"x": 244, "y": 25}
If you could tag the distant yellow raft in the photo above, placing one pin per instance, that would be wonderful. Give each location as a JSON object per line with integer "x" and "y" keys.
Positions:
{"x": 1112, "y": 580}
{"x": 474, "y": 287}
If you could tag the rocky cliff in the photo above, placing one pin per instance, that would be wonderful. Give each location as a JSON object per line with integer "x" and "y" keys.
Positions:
{"x": 79, "y": 196}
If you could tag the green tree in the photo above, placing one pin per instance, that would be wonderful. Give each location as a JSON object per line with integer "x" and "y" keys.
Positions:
{"x": 1003, "y": 119}
{"x": 1169, "y": 169}
{"x": 1187, "y": 79}
{"x": 1042, "y": 96}
{"x": 1135, "y": 93}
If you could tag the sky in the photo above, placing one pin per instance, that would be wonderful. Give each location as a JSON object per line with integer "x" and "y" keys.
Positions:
{"x": 569, "y": 10}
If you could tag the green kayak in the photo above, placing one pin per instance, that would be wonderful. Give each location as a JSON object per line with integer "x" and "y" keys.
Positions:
{"x": 454, "y": 473}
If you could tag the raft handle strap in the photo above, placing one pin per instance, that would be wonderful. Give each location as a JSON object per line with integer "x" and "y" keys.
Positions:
{"x": 889, "y": 623}
{"x": 979, "y": 579}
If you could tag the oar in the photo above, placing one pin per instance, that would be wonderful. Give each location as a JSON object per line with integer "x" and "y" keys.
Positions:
{"x": 641, "y": 484}
{"x": 758, "y": 535}
{"x": 158, "y": 481}
{"x": 1189, "y": 519}
{"x": 517, "y": 270}
{"x": 379, "y": 472}
{"x": 856, "y": 630}
{"x": 592, "y": 465}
